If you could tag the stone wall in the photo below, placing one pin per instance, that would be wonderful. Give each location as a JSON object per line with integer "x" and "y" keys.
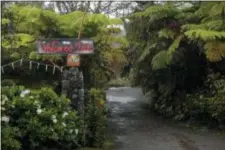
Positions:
{"x": 73, "y": 87}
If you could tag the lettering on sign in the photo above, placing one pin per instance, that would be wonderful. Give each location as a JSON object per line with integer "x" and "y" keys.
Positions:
{"x": 65, "y": 46}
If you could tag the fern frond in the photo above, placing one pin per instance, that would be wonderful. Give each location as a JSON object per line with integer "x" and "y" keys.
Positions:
{"x": 210, "y": 25}
{"x": 205, "y": 35}
{"x": 215, "y": 51}
{"x": 217, "y": 9}
{"x": 193, "y": 27}
{"x": 215, "y": 25}
{"x": 146, "y": 52}
{"x": 158, "y": 12}
{"x": 5, "y": 21}
{"x": 167, "y": 33}
{"x": 175, "y": 44}
{"x": 24, "y": 39}
{"x": 205, "y": 8}
{"x": 161, "y": 60}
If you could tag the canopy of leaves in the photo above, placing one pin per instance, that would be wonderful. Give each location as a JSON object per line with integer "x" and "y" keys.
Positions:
{"x": 24, "y": 24}
{"x": 174, "y": 46}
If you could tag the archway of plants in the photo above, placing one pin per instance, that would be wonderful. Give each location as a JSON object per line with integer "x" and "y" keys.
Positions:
{"x": 179, "y": 56}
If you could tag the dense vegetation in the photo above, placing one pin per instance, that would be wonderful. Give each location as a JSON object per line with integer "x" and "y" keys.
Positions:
{"x": 176, "y": 51}
{"x": 179, "y": 59}
{"x": 23, "y": 25}
{"x": 39, "y": 118}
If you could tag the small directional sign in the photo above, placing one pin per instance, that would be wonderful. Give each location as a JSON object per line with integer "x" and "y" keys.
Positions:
{"x": 73, "y": 60}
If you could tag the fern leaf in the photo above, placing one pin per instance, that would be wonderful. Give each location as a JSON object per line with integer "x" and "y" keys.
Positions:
{"x": 166, "y": 33}
{"x": 24, "y": 39}
{"x": 205, "y": 35}
{"x": 146, "y": 52}
{"x": 187, "y": 27}
{"x": 175, "y": 44}
{"x": 161, "y": 60}
{"x": 158, "y": 12}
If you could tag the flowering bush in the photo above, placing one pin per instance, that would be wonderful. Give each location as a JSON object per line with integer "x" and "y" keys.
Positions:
{"x": 37, "y": 119}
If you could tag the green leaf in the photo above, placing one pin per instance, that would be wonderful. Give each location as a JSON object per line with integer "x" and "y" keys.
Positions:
{"x": 205, "y": 35}
{"x": 161, "y": 60}
{"x": 175, "y": 44}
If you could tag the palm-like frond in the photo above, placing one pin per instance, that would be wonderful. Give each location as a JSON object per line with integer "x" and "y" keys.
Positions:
{"x": 175, "y": 44}
{"x": 160, "y": 60}
{"x": 167, "y": 33}
{"x": 204, "y": 35}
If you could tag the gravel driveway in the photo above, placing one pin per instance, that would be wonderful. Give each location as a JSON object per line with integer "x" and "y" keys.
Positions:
{"x": 135, "y": 128}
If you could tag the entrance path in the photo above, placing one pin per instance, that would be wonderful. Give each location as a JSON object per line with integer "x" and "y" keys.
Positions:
{"x": 135, "y": 128}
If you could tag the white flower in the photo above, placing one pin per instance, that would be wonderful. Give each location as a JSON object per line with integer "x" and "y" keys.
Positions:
{"x": 4, "y": 98}
{"x": 25, "y": 92}
{"x": 53, "y": 117}
{"x": 64, "y": 124}
{"x": 71, "y": 131}
{"x": 5, "y": 119}
{"x": 22, "y": 95}
{"x": 31, "y": 97}
{"x": 3, "y": 102}
{"x": 65, "y": 114}
{"x": 39, "y": 111}
{"x": 2, "y": 108}
{"x": 54, "y": 120}
{"x": 76, "y": 131}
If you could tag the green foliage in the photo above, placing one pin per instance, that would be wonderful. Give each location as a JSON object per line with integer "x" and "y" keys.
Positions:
{"x": 24, "y": 24}
{"x": 95, "y": 118}
{"x": 7, "y": 82}
{"x": 159, "y": 12}
{"x": 161, "y": 60}
{"x": 175, "y": 44}
{"x": 210, "y": 106}
{"x": 10, "y": 140}
{"x": 205, "y": 35}
{"x": 34, "y": 118}
{"x": 166, "y": 33}
{"x": 181, "y": 44}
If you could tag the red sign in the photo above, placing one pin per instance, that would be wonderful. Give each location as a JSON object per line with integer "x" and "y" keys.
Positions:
{"x": 73, "y": 60}
{"x": 65, "y": 46}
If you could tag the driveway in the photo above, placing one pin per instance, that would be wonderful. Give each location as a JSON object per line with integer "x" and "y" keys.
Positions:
{"x": 135, "y": 128}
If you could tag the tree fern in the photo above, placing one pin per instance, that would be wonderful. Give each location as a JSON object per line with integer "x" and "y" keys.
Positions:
{"x": 204, "y": 35}
{"x": 161, "y": 60}
{"x": 167, "y": 33}
{"x": 146, "y": 51}
{"x": 175, "y": 44}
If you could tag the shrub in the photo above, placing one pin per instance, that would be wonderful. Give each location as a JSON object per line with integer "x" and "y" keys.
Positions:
{"x": 95, "y": 118}
{"x": 37, "y": 119}
{"x": 8, "y": 82}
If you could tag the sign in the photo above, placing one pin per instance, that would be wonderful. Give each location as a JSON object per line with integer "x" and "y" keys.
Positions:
{"x": 65, "y": 46}
{"x": 73, "y": 60}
